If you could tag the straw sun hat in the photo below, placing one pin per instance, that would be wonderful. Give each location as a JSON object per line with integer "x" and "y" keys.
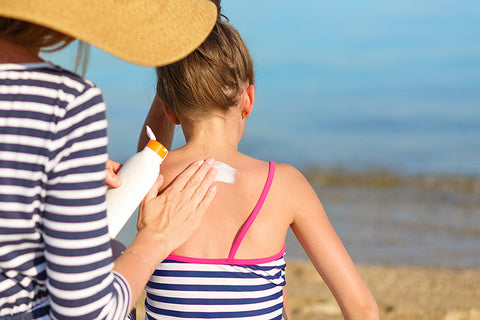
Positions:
{"x": 144, "y": 32}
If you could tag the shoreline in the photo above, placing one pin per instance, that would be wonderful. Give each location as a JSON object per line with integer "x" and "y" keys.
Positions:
{"x": 380, "y": 178}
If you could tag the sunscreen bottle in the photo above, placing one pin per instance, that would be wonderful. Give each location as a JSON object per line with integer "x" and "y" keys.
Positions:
{"x": 138, "y": 175}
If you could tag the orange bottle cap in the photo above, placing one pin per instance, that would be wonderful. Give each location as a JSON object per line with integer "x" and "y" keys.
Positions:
{"x": 158, "y": 148}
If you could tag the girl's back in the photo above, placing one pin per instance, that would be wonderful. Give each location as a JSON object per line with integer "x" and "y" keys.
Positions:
{"x": 232, "y": 207}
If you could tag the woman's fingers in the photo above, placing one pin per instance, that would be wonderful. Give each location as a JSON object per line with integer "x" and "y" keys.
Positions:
{"x": 191, "y": 177}
{"x": 205, "y": 192}
{"x": 205, "y": 202}
{"x": 154, "y": 190}
{"x": 191, "y": 187}
{"x": 112, "y": 168}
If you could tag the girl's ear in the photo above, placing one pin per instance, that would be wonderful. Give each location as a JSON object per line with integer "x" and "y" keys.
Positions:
{"x": 248, "y": 101}
{"x": 170, "y": 113}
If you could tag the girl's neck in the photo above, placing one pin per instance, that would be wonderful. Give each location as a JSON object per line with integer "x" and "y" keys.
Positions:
{"x": 214, "y": 135}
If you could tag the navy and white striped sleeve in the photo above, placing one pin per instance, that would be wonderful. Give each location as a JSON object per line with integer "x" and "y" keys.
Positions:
{"x": 80, "y": 280}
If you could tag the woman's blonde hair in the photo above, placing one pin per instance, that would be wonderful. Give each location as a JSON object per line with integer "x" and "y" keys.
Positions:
{"x": 212, "y": 78}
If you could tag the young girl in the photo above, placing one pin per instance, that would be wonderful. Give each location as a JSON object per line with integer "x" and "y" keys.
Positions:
{"x": 233, "y": 266}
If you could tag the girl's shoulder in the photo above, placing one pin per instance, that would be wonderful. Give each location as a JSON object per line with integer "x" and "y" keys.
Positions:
{"x": 288, "y": 174}
{"x": 292, "y": 187}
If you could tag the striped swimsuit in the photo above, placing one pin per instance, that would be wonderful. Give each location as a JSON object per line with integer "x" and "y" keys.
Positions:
{"x": 55, "y": 256}
{"x": 193, "y": 288}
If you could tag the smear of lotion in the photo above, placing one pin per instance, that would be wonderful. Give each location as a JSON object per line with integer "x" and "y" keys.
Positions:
{"x": 225, "y": 173}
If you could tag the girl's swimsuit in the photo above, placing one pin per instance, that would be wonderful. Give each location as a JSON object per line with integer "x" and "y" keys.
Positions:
{"x": 193, "y": 288}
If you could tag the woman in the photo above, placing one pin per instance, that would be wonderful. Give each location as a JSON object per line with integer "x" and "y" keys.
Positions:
{"x": 55, "y": 256}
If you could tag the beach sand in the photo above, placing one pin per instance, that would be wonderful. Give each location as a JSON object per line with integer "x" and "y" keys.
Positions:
{"x": 402, "y": 293}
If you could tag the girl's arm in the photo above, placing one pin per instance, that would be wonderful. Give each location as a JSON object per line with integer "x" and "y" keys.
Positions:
{"x": 326, "y": 251}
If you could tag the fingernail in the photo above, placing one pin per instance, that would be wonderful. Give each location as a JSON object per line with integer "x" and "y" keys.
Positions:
{"x": 213, "y": 171}
{"x": 211, "y": 161}
{"x": 213, "y": 189}
{"x": 117, "y": 181}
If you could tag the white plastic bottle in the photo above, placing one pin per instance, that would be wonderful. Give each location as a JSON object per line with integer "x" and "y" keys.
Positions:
{"x": 138, "y": 175}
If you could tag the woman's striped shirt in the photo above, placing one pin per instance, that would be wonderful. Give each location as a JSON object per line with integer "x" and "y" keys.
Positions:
{"x": 55, "y": 254}
{"x": 193, "y": 288}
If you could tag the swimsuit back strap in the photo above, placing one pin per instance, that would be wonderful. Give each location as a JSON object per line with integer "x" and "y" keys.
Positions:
{"x": 255, "y": 211}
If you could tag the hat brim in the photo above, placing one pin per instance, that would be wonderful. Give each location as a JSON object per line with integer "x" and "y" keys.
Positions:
{"x": 143, "y": 32}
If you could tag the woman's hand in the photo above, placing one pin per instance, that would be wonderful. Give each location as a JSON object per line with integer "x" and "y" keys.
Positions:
{"x": 112, "y": 180}
{"x": 176, "y": 213}
{"x": 166, "y": 221}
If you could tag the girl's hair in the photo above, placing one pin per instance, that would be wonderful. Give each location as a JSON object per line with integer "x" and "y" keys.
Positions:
{"x": 220, "y": 15}
{"x": 212, "y": 78}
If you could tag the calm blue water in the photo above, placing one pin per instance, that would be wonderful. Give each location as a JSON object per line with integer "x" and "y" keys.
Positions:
{"x": 355, "y": 84}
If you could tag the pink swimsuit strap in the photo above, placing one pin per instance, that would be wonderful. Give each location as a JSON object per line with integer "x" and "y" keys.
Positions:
{"x": 254, "y": 213}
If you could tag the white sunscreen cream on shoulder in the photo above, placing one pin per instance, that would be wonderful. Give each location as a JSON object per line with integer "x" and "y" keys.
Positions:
{"x": 225, "y": 173}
